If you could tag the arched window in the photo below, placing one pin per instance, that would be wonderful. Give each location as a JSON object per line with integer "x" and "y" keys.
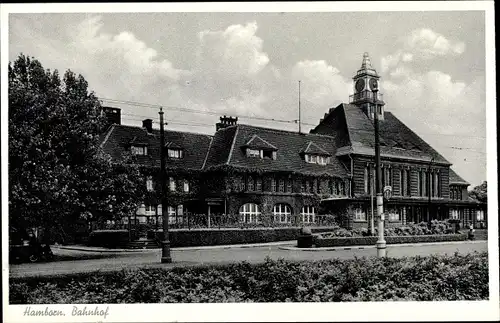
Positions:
{"x": 282, "y": 213}
{"x": 308, "y": 214}
{"x": 250, "y": 213}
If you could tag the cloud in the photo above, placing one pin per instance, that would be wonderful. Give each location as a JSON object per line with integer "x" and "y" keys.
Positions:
{"x": 428, "y": 44}
{"x": 234, "y": 51}
{"x": 321, "y": 83}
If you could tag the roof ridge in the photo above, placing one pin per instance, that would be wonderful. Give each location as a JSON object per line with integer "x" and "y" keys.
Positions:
{"x": 232, "y": 147}
{"x": 107, "y": 135}
{"x": 283, "y": 131}
{"x": 169, "y": 130}
{"x": 208, "y": 152}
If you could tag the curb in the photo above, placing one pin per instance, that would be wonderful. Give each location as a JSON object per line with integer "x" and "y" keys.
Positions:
{"x": 102, "y": 250}
{"x": 373, "y": 246}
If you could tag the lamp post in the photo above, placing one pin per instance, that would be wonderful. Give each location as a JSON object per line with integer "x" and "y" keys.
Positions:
{"x": 165, "y": 244}
{"x": 381, "y": 245}
{"x": 429, "y": 189}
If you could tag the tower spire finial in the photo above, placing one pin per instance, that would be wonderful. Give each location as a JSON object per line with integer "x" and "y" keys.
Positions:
{"x": 367, "y": 64}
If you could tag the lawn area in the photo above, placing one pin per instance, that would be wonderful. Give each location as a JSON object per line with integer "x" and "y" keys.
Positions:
{"x": 456, "y": 277}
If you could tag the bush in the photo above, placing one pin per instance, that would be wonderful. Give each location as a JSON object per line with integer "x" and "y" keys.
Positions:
{"x": 457, "y": 277}
{"x": 108, "y": 238}
{"x": 211, "y": 237}
{"x": 410, "y": 229}
{"x": 329, "y": 241}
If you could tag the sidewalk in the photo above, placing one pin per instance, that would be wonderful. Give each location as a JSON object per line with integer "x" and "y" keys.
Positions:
{"x": 418, "y": 244}
{"x": 106, "y": 250}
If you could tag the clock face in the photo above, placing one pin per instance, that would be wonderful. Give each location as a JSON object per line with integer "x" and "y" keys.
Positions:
{"x": 360, "y": 85}
{"x": 373, "y": 84}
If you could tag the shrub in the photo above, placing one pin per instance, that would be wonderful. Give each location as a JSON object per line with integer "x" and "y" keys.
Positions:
{"x": 332, "y": 241}
{"x": 210, "y": 237}
{"x": 108, "y": 238}
{"x": 457, "y": 277}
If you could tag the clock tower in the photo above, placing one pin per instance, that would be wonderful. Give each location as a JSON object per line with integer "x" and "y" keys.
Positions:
{"x": 365, "y": 81}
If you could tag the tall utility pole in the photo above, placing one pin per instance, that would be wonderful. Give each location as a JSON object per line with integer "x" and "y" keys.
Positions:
{"x": 165, "y": 244}
{"x": 378, "y": 180}
{"x": 300, "y": 130}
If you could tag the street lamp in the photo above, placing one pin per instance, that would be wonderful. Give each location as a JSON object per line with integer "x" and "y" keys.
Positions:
{"x": 165, "y": 244}
{"x": 429, "y": 186}
{"x": 381, "y": 245}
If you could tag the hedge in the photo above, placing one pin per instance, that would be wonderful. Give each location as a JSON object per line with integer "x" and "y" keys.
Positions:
{"x": 433, "y": 278}
{"x": 225, "y": 236}
{"x": 364, "y": 241}
{"x": 108, "y": 238}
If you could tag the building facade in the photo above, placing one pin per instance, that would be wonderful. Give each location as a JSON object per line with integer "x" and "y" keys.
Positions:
{"x": 249, "y": 175}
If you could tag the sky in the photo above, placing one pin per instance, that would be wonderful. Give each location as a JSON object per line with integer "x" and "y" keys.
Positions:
{"x": 432, "y": 67}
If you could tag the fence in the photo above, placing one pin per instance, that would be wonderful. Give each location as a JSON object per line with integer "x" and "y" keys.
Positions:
{"x": 218, "y": 221}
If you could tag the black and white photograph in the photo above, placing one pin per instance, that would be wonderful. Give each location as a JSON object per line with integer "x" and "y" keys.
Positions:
{"x": 287, "y": 161}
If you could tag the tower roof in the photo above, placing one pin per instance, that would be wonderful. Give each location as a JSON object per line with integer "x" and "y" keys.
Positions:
{"x": 366, "y": 66}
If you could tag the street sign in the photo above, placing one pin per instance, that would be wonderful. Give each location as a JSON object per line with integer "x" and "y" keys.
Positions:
{"x": 387, "y": 192}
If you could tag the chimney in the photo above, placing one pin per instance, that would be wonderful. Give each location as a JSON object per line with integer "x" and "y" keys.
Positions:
{"x": 226, "y": 122}
{"x": 148, "y": 125}
{"x": 113, "y": 115}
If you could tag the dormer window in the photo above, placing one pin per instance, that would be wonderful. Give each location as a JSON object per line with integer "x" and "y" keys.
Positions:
{"x": 314, "y": 154}
{"x": 317, "y": 159}
{"x": 253, "y": 153}
{"x": 257, "y": 147}
{"x": 174, "y": 153}
{"x": 139, "y": 150}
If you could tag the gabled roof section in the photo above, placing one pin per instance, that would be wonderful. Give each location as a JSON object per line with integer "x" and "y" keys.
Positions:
{"x": 173, "y": 145}
{"x": 456, "y": 179}
{"x": 221, "y": 147}
{"x": 396, "y": 139}
{"x": 314, "y": 149}
{"x": 257, "y": 142}
{"x": 288, "y": 157}
{"x": 119, "y": 137}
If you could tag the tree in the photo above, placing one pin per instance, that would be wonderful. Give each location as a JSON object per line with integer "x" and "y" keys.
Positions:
{"x": 57, "y": 171}
{"x": 480, "y": 192}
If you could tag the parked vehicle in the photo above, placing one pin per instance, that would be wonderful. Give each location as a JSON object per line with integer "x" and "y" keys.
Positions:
{"x": 27, "y": 248}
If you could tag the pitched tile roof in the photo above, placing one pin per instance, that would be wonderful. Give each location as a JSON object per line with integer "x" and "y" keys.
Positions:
{"x": 289, "y": 145}
{"x": 258, "y": 143}
{"x": 195, "y": 146}
{"x": 456, "y": 179}
{"x": 396, "y": 139}
{"x": 312, "y": 148}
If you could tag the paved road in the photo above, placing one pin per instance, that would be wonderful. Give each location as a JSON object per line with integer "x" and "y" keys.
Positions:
{"x": 151, "y": 258}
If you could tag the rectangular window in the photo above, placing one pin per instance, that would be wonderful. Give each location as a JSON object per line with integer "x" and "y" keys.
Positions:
{"x": 342, "y": 188}
{"x": 436, "y": 185}
{"x": 149, "y": 184}
{"x": 174, "y": 153}
{"x": 273, "y": 185}
{"x": 312, "y": 185}
{"x": 289, "y": 186}
{"x": 303, "y": 186}
{"x": 253, "y": 153}
{"x": 250, "y": 184}
{"x": 172, "y": 185}
{"x": 282, "y": 185}
{"x": 405, "y": 178}
{"x": 424, "y": 183}
{"x": 359, "y": 214}
{"x": 139, "y": 150}
{"x": 242, "y": 184}
{"x": 366, "y": 179}
{"x": 258, "y": 184}
{"x": 186, "y": 186}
